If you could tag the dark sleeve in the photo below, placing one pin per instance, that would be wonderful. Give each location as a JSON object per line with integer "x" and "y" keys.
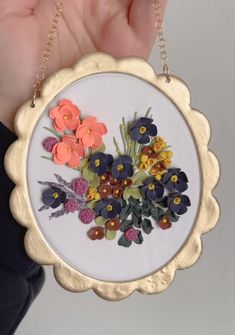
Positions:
{"x": 20, "y": 278}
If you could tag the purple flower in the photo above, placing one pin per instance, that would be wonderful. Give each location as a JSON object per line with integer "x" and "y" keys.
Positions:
{"x": 100, "y": 163}
{"x": 108, "y": 208}
{"x": 152, "y": 189}
{"x": 80, "y": 186}
{"x": 49, "y": 143}
{"x": 53, "y": 197}
{"x": 142, "y": 130}
{"x": 122, "y": 167}
{"x": 175, "y": 180}
{"x": 71, "y": 206}
{"x": 86, "y": 215}
{"x": 178, "y": 203}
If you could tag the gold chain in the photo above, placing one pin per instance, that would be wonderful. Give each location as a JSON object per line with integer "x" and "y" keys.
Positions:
{"x": 161, "y": 39}
{"x": 53, "y": 33}
{"x": 47, "y": 51}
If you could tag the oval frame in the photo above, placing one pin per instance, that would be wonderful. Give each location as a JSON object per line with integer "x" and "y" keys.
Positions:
{"x": 16, "y": 165}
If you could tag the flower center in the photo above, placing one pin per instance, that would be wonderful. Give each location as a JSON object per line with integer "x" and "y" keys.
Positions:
{"x": 143, "y": 130}
{"x": 174, "y": 179}
{"x": 97, "y": 162}
{"x": 120, "y": 167}
{"x": 151, "y": 187}
{"x": 55, "y": 195}
{"x": 112, "y": 224}
{"x": 109, "y": 208}
{"x": 96, "y": 233}
{"x": 177, "y": 201}
{"x": 66, "y": 117}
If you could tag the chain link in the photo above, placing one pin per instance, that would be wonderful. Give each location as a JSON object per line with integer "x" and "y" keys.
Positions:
{"x": 47, "y": 51}
{"x": 161, "y": 39}
{"x": 53, "y": 33}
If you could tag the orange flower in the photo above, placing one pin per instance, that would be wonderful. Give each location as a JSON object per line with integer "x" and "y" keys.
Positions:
{"x": 68, "y": 151}
{"x": 90, "y": 132}
{"x": 65, "y": 116}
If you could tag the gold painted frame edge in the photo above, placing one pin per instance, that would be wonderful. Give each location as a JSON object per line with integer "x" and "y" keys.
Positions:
{"x": 16, "y": 160}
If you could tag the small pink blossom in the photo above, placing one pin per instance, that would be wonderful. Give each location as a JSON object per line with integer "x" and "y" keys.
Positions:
{"x": 132, "y": 234}
{"x": 86, "y": 215}
{"x": 80, "y": 186}
{"x": 71, "y": 206}
{"x": 49, "y": 142}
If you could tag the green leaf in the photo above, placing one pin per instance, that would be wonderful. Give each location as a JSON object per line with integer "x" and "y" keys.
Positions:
{"x": 83, "y": 164}
{"x": 126, "y": 224}
{"x": 137, "y": 220}
{"x": 126, "y": 211}
{"x": 53, "y": 132}
{"x": 91, "y": 204}
{"x": 135, "y": 193}
{"x": 147, "y": 226}
{"x": 124, "y": 242}
{"x": 88, "y": 174}
{"x": 139, "y": 178}
{"x": 173, "y": 217}
{"x": 126, "y": 193}
{"x": 157, "y": 213}
{"x": 100, "y": 221}
{"x": 95, "y": 181}
{"x": 110, "y": 234}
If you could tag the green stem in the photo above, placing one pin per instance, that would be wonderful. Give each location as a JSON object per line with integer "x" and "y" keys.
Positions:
{"x": 45, "y": 157}
{"x": 53, "y": 132}
{"x": 116, "y": 146}
{"x": 122, "y": 131}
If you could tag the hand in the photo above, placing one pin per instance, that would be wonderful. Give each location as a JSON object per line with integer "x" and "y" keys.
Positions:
{"x": 118, "y": 27}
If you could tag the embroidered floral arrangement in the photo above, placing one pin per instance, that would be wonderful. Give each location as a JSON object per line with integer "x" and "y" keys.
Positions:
{"x": 128, "y": 195}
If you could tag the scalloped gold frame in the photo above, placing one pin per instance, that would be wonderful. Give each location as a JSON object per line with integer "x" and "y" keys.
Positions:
{"x": 16, "y": 166}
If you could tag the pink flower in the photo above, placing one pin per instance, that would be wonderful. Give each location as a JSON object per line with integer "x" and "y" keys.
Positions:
{"x": 65, "y": 116}
{"x": 80, "y": 186}
{"x": 132, "y": 234}
{"x": 49, "y": 143}
{"x": 68, "y": 151}
{"x": 90, "y": 132}
{"x": 71, "y": 206}
{"x": 86, "y": 215}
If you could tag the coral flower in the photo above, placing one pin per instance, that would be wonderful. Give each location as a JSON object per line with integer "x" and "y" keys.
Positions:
{"x": 65, "y": 116}
{"x": 68, "y": 151}
{"x": 90, "y": 132}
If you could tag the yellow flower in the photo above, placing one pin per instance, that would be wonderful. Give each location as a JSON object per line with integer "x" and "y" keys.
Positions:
{"x": 97, "y": 196}
{"x": 167, "y": 162}
{"x": 144, "y": 158}
{"x": 162, "y": 155}
{"x": 159, "y": 144}
{"x": 143, "y": 166}
{"x": 169, "y": 154}
{"x": 158, "y": 176}
{"x": 151, "y": 161}
{"x": 92, "y": 190}
{"x": 90, "y": 197}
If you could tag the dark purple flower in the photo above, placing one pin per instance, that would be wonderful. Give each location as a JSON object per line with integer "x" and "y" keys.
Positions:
{"x": 53, "y": 197}
{"x": 49, "y": 143}
{"x": 122, "y": 167}
{"x": 80, "y": 186}
{"x": 86, "y": 215}
{"x": 152, "y": 189}
{"x": 142, "y": 129}
{"x": 71, "y": 205}
{"x": 108, "y": 208}
{"x": 100, "y": 163}
{"x": 175, "y": 179}
{"x": 178, "y": 203}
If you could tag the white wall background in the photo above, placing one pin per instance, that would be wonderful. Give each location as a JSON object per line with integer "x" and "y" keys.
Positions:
{"x": 201, "y": 49}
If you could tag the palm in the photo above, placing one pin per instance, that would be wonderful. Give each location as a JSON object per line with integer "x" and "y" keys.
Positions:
{"x": 118, "y": 27}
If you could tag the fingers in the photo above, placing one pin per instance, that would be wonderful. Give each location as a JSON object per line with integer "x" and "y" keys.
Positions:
{"x": 142, "y": 20}
{"x": 19, "y": 7}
